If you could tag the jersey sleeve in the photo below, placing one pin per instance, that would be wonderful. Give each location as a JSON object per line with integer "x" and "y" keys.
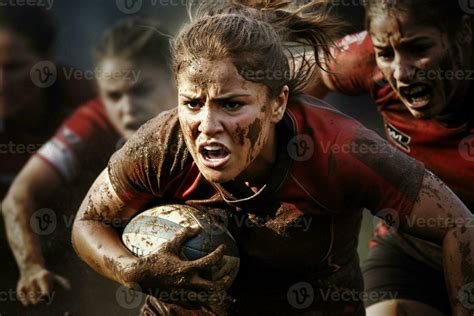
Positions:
{"x": 84, "y": 140}
{"x": 353, "y": 68}
{"x": 374, "y": 174}
{"x": 150, "y": 161}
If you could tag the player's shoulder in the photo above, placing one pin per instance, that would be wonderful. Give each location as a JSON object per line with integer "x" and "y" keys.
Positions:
{"x": 160, "y": 136}
{"x": 90, "y": 116}
{"x": 322, "y": 119}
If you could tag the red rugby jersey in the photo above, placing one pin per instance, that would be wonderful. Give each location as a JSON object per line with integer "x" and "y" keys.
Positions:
{"x": 448, "y": 152}
{"x": 307, "y": 216}
{"x": 83, "y": 144}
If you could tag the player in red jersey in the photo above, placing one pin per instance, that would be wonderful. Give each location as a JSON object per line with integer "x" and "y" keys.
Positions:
{"x": 133, "y": 79}
{"x": 415, "y": 60}
{"x": 293, "y": 173}
{"x": 35, "y": 97}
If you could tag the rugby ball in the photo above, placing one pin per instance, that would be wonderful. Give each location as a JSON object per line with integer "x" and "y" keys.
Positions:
{"x": 148, "y": 231}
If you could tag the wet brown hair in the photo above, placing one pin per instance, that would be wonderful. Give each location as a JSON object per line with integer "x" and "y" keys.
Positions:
{"x": 138, "y": 39}
{"x": 444, "y": 14}
{"x": 267, "y": 45}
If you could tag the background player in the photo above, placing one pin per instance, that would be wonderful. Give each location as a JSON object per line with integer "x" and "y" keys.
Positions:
{"x": 135, "y": 83}
{"x": 228, "y": 143}
{"x": 31, "y": 107}
{"x": 415, "y": 59}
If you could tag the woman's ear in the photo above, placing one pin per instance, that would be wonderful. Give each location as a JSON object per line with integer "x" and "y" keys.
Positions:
{"x": 464, "y": 35}
{"x": 279, "y": 105}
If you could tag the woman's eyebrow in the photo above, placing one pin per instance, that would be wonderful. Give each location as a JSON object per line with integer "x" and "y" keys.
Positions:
{"x": 225, "y": 97}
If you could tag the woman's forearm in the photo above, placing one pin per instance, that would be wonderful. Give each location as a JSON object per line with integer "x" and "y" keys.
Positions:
{"x": 100, "y": 247}
{"x": 25, "y": 244}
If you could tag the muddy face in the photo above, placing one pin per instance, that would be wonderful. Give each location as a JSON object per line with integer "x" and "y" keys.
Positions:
{"x": 133, "y": 95}
{"x": 228, "y": 122}
{"x": 418, "y": 61}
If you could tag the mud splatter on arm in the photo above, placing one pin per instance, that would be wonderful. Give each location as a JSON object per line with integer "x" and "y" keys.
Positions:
{"x": 439, "y": 216}
{"x": 95, "y": 236}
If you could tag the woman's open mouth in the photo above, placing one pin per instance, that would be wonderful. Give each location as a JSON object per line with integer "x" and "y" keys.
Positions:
{"x": 214, "y": 155}
{"x": 418, "y": 95}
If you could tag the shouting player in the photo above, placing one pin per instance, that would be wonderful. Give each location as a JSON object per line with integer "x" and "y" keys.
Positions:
{"x": 416, "y": 61}
{"x": 245, "y": 138}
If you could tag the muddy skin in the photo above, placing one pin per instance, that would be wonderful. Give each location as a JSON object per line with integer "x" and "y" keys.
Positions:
{"x": 467, "y": 267}
{"x": 239, "y": 135}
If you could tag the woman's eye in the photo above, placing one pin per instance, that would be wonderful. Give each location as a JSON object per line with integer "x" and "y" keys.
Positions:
{"x": 192, "y": 105}
{"x": 232, "y": 106}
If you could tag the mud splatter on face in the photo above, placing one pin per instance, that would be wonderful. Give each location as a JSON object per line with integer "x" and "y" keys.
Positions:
{"x": 254, "y": 131}
{"x": 226, "y": 111}
{"x": 239, "y": 135}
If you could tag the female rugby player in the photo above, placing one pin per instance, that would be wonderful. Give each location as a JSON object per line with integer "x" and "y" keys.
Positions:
{"x": 245, "y": 138}
{"x": 135, "y": 83}
{"x": 416, "y": 61}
